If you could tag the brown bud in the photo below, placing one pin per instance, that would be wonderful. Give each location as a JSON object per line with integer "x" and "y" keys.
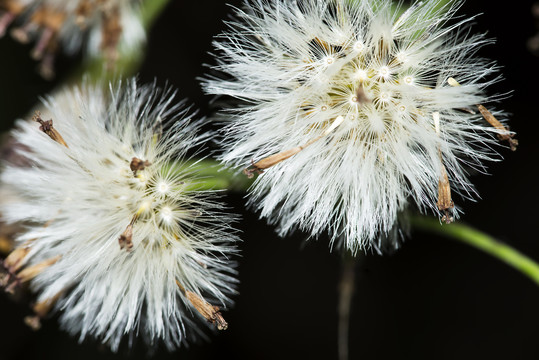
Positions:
{"x": 138, "y": 164}
{"x": 505, "y": 134}
{"x": 47, "y": 128}
{"x": 283, "y": 155}
{"x": 32, "y": 271}
{"x": 445, "y": 203}
{"x": 209, "y": 312}
{"x": 14, "y": 260}
{"x": 270, "y": 161}
{"x": 361, "y": 97}
{"x": 112, "y": 31}
{"x": 126, "y": 239}
{"x": 33, "y": 322}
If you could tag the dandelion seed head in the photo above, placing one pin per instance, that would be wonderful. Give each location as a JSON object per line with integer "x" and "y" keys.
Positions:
{"x": 102, "y": 27}
{"x": 133, "y": 246}
{"x": 388, "y": 74}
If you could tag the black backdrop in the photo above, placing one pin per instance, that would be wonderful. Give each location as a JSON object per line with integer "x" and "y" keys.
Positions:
{"x": 433, "y": 299}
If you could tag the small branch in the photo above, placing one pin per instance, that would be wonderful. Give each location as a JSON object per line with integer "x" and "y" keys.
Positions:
{"x": 481, "y": 241}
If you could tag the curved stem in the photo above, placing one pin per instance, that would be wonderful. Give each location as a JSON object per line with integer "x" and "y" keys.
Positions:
{"x": 481, "y": 241}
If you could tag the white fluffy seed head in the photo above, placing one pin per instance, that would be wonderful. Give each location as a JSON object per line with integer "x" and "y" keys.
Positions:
{"x": 388, "y": 76}
{"x": 102, "y": 27}
{"x": 77, "y": 202}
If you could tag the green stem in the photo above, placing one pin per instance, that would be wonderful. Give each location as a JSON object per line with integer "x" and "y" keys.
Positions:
{"x": 213, "y": 176}
{"x": 481, "y": 241}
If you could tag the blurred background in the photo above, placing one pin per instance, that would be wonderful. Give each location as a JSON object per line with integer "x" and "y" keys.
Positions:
{"x": 432, "y": 299}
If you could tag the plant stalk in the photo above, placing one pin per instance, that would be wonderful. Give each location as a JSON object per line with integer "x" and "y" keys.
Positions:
{"x": 481, "y": 241}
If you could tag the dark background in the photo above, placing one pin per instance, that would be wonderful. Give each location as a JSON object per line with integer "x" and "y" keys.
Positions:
{"x": 432, "y": 299}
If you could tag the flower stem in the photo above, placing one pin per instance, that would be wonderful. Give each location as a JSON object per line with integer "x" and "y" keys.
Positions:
{"x": 346, "y": 293}
{"x": 213, "y": 176}
{"x": 481, "y": 241}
